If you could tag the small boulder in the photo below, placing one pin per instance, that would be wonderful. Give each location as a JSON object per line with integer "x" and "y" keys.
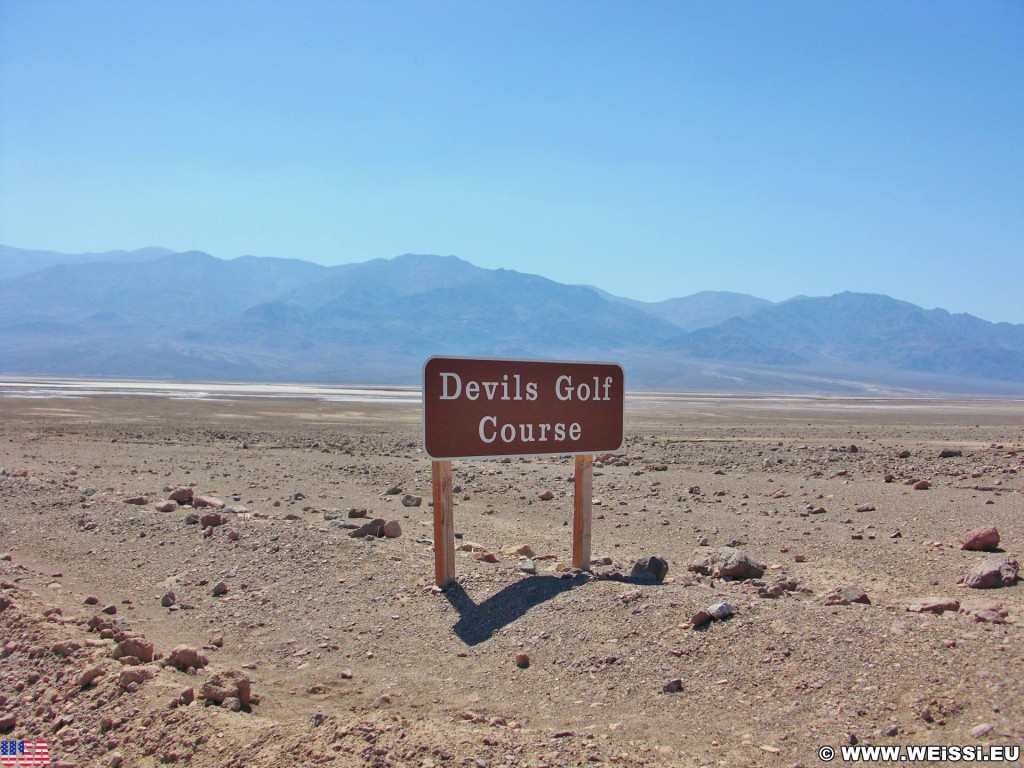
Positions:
{"x": 936, "y": 605}
{"x": 166, "y": 506}
{"x": 136, "y": 675}
{"x": 184, "y": 657}
{"x": 993, "y": 573}
{"x": 981, "y": 539}
{"x": 411, "y": 501}
{"x": 392, "y": 529}
{"x": 546, "y": 496}
{"x": 950, "y": 453}
{"x": 736, "y": 564}
{"x": 229, "y": 684}
{"x": 720, "y": 611}
{"x": 650, "y": 568}
{"x": 137, "y": 647}
{"x": 212, "y": 520}
{"x": 181, "y": 495}
{"x": 374, "y": 528}
{"x": 208, "y": 501}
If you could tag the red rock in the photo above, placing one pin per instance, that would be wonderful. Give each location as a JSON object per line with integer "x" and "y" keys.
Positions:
{"x": 700, "y": 618}
{"x": 212, "y": 520}
{"x": 989, "y": 617}
{"x": 89, "y": 675}
{"x": 373, "y": 528}
{"x": 137, "y": 500}
{"x": 220, "y": 588}
{"x": 546, "y": 496}
{"x": 136, "y": 675}
{"x": 181, "y": 494}
{"x": 183, "y": 657}
{"x": 137, "y": 647}
{"x": 168, "y": 599}
{"x": 922, "y": 485}
{"x": 993, "y": 573}
{"x": 522, "y": 660}
{"x": 207, "y": 501}
{"x": 936, "y": 605}
{"x": 228, "y": 684}
{"x": 486, "y": 557}
{"x": 166, "y": 506}
{"x": 392, "y": 529}
{"x": 981, "y": 540}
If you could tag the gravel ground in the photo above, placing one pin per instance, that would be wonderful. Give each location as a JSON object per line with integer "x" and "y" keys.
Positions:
{"x": 355, "y": 660}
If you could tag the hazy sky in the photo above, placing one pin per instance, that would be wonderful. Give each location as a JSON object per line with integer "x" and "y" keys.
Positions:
{"x": 653, "y": 149}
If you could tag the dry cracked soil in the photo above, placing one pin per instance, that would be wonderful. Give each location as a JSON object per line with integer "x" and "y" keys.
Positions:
{"x": 355, "y": 660}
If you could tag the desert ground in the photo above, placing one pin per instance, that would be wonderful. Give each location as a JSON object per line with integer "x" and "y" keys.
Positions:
{"x": 355, "y": 660}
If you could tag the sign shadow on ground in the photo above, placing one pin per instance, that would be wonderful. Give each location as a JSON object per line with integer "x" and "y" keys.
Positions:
{"x": 477, "y": 622}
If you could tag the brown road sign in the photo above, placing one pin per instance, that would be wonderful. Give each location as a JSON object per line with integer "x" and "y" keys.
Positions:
{"x": 476, "y": 408}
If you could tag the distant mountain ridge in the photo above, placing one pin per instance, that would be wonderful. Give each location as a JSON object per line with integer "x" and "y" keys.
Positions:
{"x": 155, "y": 313}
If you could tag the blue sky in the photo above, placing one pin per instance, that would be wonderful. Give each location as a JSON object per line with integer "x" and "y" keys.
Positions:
{"x": 653, "y": 149}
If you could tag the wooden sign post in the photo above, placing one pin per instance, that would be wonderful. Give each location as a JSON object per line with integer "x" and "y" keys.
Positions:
{"x": 483, "y": 408}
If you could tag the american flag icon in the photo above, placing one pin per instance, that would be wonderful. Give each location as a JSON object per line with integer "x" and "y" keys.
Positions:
{"x": 24, "y": 754}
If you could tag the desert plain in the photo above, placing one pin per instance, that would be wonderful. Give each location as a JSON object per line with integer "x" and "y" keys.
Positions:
{"x": 355, "y": 659}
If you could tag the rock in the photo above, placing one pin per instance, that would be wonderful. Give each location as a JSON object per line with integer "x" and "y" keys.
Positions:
{"x": 137, "y": 647}
{"x": 373, "y": 528}
{"x": 137, "y": 500}
{"x": 673, "y": 686}
{"x": 357, "y": 513}
{"x": 546, "y": 496}
{"x": 528, "y": 566}
{"x": 950, "y": 453}
{"x": 220, "y": 588}
{"x": 207, "y": 501}
{"x": 736, "y": 564}
{"x": 904, "y": 454}
{"x": 922, "y": 485}
{"x": 232, "y": 703}
{"x": 720, "y": 611}
{"x": 989, "y": 617}
{"x": 223, "y": 685}
{"x": 522, "y": 660}
{"x": 136, "y": 675}
{"x": 191, "y": 518}
{"x": 981, "y": 730}
{"x": 981, "y": 539}
{"x": 184, "y": 657}
{"x": 91, "y": 600}
{"x": 89, "y": 675}
{"x": 981, "y": 604}
{"x": 394, "y": 490}
{"x": 166, "y": 506}
{"x": 846, "y": 595}
{"x": 650, "y": 568}
{"x": 181, "y": 495}
{"x": 411, "y": 501}
{"x": 392, "y": 529}
{"x": 866, "y": 508}
{"x": 521, "y": 550}
{"x": 937, "y": 605}
{"x": 993, "y": 573}
{"x": 486, "y": 557}
{"x": 212, "y": 520}
{"x": 110, "y": 610}
{"x": 332, "y": 513}
{"x": 168, "y": 599}
{"x": 700, "y": 618}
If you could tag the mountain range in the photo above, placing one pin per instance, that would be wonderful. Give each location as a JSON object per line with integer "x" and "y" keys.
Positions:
{"x": 155, "y": 313}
